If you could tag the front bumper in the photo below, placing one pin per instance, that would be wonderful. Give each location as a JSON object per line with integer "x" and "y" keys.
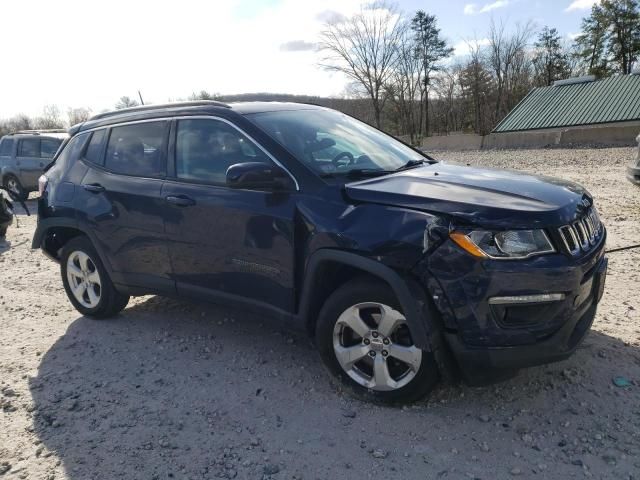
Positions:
{"x": 480, "y": 364}
{"x": 489, "y": 341}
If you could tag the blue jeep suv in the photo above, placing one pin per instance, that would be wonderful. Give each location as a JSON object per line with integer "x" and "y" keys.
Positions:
{"x": 403, "y": 269}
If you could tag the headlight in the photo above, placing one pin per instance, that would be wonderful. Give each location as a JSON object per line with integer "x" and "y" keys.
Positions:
{"x": 509, "y": 245}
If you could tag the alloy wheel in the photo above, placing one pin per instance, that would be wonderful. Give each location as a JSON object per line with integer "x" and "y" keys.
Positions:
{"x": 373, "y": 345}
{"x": 84, "y": 279}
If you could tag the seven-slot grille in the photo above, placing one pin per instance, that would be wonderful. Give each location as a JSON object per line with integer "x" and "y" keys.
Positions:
{"x": 583, "y": 234}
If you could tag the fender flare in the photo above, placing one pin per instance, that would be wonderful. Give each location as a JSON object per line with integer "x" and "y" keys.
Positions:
{"x": 45, "y": 224}
{"x": 411, "y": 296}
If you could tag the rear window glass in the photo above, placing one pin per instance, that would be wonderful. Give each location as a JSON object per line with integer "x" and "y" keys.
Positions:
{"x": 29, "y": 147}
{"x": 49, "y": 147}
{"x": 5, "y": 147}
{"x": 94, "y": 150}
{"x": 71, "y": 151}
{"x": 137, "y": 149}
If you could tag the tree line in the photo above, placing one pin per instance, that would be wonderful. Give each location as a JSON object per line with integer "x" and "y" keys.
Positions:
{"x": 405, "y": 67}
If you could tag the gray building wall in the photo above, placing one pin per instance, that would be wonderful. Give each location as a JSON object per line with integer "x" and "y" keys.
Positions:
{"x": 607, "y": 134}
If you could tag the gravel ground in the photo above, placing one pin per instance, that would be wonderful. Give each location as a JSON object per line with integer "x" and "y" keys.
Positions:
{"x": 177, "y": 390}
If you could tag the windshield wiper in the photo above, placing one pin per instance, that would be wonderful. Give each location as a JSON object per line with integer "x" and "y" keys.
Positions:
{"x": 357, "y": 173}
{"x": 410, "y": 164}
{"x": 367, "y": 172}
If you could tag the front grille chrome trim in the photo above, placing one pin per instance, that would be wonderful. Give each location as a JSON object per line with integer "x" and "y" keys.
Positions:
{"x": 583, "y": 234}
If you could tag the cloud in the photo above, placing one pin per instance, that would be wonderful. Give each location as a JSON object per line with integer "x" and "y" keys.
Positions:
{"x": 581, "y": 5}
{"x": 330, "y": 16}
{"x": 462, "y": 47}
{"x": 218, "y": 49}
{"x": 474, "y": 9}
{"x": 297, "y": 46}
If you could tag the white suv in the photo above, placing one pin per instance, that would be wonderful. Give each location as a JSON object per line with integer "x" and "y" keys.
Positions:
{"x": 23, "y": 156}
{"x": 633, "y": 171}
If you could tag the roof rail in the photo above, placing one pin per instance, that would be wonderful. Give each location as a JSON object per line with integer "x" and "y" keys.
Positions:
{"x": 38, "y": 132}
{"x": 157, "y": 106}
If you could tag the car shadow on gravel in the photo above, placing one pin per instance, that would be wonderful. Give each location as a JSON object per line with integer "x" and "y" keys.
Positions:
{"x": 176, "y": 390}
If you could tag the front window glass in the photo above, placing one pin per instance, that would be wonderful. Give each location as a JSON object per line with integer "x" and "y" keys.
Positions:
{"x": 205, "y": 149}
{"x": 332, "y": 143}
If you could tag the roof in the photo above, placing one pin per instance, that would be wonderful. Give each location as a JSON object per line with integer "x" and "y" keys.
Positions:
{"x": 201, "y": 107}
{"x": 57, "y": 133}
{"x": 569, "y": 104}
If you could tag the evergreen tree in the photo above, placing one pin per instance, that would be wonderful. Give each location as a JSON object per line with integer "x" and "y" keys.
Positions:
{"x": 610, "y": 38}
{"x": 431, "y": 49}
{"x": 624, "y": 32}
{"x": 550, "y": 60}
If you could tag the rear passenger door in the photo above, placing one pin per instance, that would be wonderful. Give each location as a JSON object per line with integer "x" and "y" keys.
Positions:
{"x": 119, "y": 200}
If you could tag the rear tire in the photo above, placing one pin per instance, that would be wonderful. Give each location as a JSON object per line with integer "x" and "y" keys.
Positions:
{"x": 12, "y": 183}
{"x": 87, "y": 282}
{"x": 365, "y": 342}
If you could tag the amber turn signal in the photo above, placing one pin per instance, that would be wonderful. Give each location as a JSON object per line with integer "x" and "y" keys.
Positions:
{"x": 467, "y": 245}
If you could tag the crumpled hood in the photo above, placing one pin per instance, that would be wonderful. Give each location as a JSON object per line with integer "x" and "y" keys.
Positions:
{"x": 480, "y": 196}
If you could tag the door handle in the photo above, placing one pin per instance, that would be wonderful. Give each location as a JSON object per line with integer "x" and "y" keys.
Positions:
{"x": 180, "y": 200}
{"x": 93, "y": 187}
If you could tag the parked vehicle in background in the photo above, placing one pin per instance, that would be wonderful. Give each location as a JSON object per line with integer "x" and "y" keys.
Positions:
{"x": 6, "y": 213}
{"x": 633, "y": 170}
{"x": 7, "y": 197}
{"x": 23, "y": 157}
{"x": 399, "y": 266}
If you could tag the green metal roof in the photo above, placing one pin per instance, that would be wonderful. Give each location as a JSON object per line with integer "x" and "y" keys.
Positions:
{"x": 614, "y": 99}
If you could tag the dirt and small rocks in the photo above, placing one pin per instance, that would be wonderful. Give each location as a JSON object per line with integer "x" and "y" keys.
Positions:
{"x": 175, "y": 390}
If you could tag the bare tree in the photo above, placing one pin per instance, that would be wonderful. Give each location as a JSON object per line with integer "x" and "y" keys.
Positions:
{"x": 126, "y": 102}
{"x": 477, "y": 86}
{"x": 507, "y": 54}
{"x": 363, "y": 48}
{"x": 50, "y": 118}
{"x": 204, "y": 95}
{"x": 446, "y": 85}
{"x": 404, "y": 84}
{"x": 78, "y": 115}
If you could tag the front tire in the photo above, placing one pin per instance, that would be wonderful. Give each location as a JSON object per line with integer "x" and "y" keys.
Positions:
{"x": 365, "y": 342}
{"x": 87, "y": 282}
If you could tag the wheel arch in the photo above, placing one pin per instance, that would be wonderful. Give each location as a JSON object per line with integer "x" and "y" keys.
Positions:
{"x": 54, "y": 233}
{"x": 328, "y": 269}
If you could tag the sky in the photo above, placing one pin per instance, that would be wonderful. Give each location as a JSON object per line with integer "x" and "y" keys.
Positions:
{"x": 81, "y": 53}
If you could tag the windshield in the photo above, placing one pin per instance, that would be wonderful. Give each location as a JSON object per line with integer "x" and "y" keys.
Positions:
{"x": 332, "y": 143}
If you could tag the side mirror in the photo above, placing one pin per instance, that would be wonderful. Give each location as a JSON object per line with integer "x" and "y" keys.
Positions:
{"x": 259, "y": 176}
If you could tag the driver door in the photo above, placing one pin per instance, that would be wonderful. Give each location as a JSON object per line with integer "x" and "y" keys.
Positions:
{"x": 228, "y": 243}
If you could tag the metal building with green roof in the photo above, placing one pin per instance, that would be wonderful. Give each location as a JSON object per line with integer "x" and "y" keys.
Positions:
{"x": 577, "y": 102}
